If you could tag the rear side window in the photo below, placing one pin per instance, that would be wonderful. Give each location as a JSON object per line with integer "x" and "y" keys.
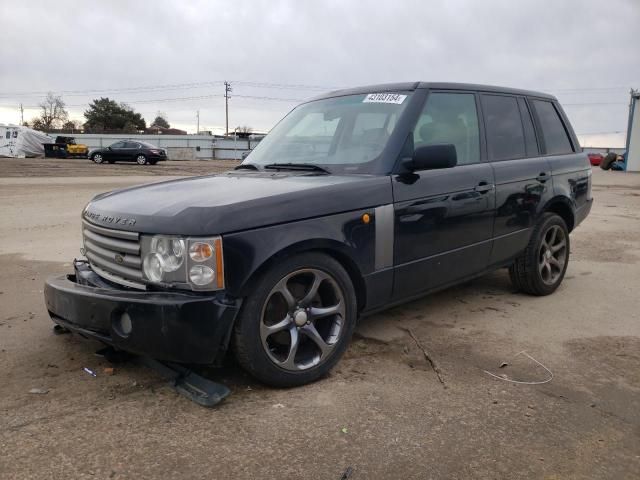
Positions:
{"x": 450, "y": 118}
{"x": 554, "y": 134}
{"x": 505, "y": 135}
{"x": 529, "y": 132}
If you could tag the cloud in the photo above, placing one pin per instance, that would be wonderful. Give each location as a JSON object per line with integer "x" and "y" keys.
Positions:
{"x": 538, "y": 44}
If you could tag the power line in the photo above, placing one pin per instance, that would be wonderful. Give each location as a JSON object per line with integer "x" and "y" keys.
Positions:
{"x": 165, "y": 87}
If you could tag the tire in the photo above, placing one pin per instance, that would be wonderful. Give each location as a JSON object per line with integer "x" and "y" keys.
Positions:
{"x": 97, "y": 158}
{"x": 141, "y": 160}
{"x": 300, "y": 317}
{"x": 540, "y": 269}
{"x": 608, "y": 160}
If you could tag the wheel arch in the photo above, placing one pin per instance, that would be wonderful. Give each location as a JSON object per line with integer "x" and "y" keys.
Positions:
{"x": 562, "y": 207}
{"x": 331, "y": 248}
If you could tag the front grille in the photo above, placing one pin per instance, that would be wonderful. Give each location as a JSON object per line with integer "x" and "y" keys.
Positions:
{"x": 114, "y": 254}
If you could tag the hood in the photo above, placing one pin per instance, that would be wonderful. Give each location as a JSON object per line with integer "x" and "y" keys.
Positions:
{"x": 234, "y": 201}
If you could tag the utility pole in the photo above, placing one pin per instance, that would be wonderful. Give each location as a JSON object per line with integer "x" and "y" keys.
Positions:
{"x": 198, "y": 117}
{"x": 21, "y": 115}
{"x": 227, "y": 91}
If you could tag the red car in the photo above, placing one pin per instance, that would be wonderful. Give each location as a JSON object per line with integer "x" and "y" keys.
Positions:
{"x": 595, "y": 158}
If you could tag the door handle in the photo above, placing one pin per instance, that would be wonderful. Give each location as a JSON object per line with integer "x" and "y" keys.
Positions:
{"x": 484, "y": 187}
{"x": 543, "y": 177}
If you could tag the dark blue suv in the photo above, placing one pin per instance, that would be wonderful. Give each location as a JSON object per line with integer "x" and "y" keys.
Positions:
{"x": 358, "y": 200}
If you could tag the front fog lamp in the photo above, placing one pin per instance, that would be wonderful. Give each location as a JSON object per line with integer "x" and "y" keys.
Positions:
{"x": 201, "y": 275}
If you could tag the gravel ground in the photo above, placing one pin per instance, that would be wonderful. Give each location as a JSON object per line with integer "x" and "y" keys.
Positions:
{"x": 382, "y": 411}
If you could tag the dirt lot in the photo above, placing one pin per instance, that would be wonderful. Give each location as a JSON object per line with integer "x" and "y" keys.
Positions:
{"x": 382, "y": 411}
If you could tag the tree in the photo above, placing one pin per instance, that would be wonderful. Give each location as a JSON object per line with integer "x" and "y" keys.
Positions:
{"x": 244, "y": 130}
{"x": 72, "y": 125}
{"x": 161, "y": 121}
{"x": 107, "y": 115}
{"x": 53, "y": 113}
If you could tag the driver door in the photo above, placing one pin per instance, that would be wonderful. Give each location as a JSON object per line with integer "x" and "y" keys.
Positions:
{"x": 114, "y": 152}
{"x": 444, "y": 218}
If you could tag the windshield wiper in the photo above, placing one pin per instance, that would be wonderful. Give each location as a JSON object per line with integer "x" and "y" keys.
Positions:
{"x": 297, "y": 166}
{"x": 247, "y": 166}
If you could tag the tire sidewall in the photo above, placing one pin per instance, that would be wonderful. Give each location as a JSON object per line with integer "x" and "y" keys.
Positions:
{"x": 138, "y": 157}
{"x": 94, "y": 160}
{"x": 547, "y": 222}
{"x": 247, "y": 327}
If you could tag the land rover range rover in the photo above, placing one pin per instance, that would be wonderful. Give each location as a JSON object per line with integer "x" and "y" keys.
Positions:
{"x": 356, "y": 201}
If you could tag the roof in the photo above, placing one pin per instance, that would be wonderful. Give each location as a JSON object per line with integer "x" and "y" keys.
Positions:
{"x": 410, "y": 86}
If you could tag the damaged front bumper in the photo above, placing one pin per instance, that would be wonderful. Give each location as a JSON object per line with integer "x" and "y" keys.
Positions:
{"x": 179, "y": 327}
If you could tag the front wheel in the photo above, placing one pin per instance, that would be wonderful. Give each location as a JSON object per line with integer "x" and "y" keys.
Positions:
{"x": 539, "y": 270}
{"x": 141, "y": 160}
{"x": 297, "y": 321}
{"x": 97, "y": 158}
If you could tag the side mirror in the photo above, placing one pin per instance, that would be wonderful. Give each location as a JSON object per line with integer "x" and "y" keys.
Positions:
{"x": 430, "y": 157}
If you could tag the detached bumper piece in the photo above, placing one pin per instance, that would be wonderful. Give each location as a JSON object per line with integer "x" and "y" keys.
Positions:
{"x": 178, "y": 327}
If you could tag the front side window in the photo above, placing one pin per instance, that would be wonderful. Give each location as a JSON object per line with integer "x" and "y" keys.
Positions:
{"x": 450, "y": 118}
{"x": 555, "y": 136}
{"x": 345, "y": 133}
{"x": 505, "y": 135}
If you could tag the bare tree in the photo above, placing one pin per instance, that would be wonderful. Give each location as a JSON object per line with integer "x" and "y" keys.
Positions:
{"x": 53, "y": 113}
{"x": 245, "y": 130}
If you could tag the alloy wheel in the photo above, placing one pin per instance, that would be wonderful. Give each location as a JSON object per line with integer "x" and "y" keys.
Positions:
{"x": 552, "y": 255}
{"x": 97, "y": 158}
{"x": 141, "y": 159}
{"x": 302, "y": 319}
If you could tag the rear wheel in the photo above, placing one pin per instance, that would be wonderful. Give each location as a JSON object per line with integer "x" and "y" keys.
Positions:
{"x": 297, "y": 322}
{"x": 97, "y": 158}
{"x": 539, "y": 270}
{"x": 141, "y": 160}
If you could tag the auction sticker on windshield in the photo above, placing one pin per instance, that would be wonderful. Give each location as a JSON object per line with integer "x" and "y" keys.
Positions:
{"x": 384, "y": 98}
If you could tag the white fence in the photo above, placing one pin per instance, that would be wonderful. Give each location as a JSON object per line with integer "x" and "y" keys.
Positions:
{"x": 178, "y": 147}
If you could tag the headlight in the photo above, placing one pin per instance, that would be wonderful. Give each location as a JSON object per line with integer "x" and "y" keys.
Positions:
{"x": 194, "y": 263}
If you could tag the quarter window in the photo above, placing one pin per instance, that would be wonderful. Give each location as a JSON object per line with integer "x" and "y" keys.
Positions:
{"x": 555, "y": 136}
{"x": 450, "y": 118}
{"x": 505, "y": 135}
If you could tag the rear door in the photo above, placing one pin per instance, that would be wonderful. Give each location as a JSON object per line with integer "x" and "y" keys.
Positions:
{"x": 522, "y": 174}
{"x": 570, "y": 167}
{"x": 130, "y": 150}
{"x": 444, "y": 218}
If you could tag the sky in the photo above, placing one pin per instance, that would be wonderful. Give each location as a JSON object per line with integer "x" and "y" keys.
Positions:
{"x": 173, "y": 56}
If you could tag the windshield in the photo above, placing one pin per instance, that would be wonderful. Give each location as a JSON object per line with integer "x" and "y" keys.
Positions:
{"x": 342, "y": 133}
